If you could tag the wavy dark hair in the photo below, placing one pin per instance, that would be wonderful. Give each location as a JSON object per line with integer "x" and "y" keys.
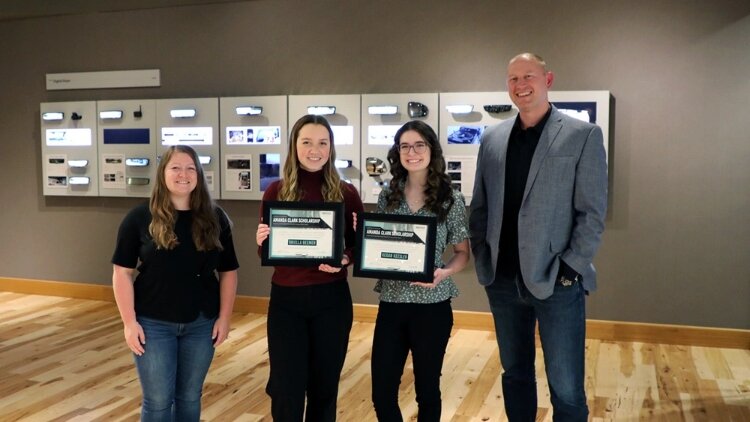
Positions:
{"x": 205, "y": 226}
{"x": 290, "y": 191}
{"x": 438, "y": 191}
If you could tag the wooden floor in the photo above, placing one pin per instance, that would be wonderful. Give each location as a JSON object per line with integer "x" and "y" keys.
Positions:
{"x": 65, "y": 360}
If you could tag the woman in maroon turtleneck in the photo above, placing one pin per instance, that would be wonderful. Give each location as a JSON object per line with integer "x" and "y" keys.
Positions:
{"x": 310, "y": 312}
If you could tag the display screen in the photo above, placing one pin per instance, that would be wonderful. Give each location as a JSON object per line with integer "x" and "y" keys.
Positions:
{"x": 187, "y": 136}
{"x": 464, "y": 134}
{"x": 253, "y": 135}
{"x": 343, "y": 135}
{"x": 270, "y": 166}
{"x": 136, "y": 162}
{"x": 68, "y": 137}
{"x": 57, "y": 181}
{"x": 581, "y": 110}
{"x": 126, "y": 136}
{"x": 382, "y": 134}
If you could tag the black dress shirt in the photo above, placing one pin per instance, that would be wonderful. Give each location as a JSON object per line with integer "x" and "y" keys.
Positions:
{"x": 521, "y": 147}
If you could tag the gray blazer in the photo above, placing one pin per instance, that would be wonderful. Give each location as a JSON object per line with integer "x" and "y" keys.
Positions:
{"x": 563, "y": 207}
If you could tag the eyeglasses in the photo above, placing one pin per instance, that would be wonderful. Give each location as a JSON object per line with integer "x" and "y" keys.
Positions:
{"x": 418, "y": 148}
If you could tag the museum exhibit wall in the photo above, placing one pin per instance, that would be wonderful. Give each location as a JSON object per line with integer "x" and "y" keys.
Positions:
{"x": 677, "y": 244}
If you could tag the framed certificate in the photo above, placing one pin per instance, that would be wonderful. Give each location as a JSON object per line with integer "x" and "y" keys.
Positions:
{"x": 303, "y": 234}
{"x": 395, "y": 247}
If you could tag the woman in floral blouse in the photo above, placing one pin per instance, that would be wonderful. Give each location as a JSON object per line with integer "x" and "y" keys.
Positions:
{"x": 416, "y": 316}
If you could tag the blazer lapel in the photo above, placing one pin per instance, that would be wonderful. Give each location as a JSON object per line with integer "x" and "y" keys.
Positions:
{"x": 551, "y": 129}
{"x": 500, "y": 153}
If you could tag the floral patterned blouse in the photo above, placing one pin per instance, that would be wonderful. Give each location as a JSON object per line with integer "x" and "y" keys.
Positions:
{"x": 453, "y": 230}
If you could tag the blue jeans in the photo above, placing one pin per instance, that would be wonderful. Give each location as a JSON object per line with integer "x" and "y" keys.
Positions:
{"x": 562, "y": 331}
{"x": 173, "y": 367}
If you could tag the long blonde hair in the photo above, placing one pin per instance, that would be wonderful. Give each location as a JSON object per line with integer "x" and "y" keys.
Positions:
{"x": 205, "y": 225}
{"x": 290, "y": 189}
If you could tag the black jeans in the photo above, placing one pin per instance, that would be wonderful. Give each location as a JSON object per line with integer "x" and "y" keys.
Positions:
{"x": 422, "y": 328}
{"x": 308, "y": 334}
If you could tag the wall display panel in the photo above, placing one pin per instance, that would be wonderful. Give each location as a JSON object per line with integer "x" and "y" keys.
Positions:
{"x": 343, "y": 114}
{"x": 193, "y": 122}
{"x": 127, "y": 147}
{"x": 382, "y": 116}
{"x": 463, "y": 118}
{"x": 69, "y": 148}
{"x": 253, "y": 140}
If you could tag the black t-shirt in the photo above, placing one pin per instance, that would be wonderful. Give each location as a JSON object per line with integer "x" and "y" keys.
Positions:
{"x": 173, "y": 284}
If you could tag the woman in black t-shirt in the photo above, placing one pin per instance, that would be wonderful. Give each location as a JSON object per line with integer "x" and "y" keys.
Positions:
{"x": 175, "y": 310}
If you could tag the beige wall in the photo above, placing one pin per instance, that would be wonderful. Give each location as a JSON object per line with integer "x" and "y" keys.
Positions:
{"x": 677, "y": 245}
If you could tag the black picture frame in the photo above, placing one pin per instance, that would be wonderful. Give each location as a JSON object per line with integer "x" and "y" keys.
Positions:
{"x": 273, "y": 215}
{"x": 395, "y": 229}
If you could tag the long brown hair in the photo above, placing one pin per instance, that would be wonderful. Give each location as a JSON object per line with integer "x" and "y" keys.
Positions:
{"x": 438, "y": 191}
{"x": 205, "y": 225}
{"x": 290, "y": 190}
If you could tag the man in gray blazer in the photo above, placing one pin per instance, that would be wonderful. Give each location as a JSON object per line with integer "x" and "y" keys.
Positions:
{"x": 537, "y": 217}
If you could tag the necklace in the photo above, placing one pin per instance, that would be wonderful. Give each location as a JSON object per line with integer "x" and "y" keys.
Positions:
{"x": 415, "y": 204}
{"x": 415, "y": 200}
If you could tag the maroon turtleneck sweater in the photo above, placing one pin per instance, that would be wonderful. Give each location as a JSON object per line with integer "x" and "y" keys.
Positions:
{"x": 310, "y": 184}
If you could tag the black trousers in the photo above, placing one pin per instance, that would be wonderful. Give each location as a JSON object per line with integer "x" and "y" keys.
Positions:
{"x": 423, "y": 329}
{"x": 308, "y": 334}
